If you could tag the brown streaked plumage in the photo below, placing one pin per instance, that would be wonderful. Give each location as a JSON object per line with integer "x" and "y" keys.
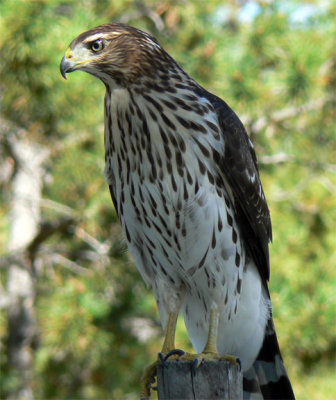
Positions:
{"x": 184, "y": 180}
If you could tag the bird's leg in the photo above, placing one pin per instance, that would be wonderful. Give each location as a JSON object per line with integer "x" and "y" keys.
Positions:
{"x": 211, "y": 344}
{"x": 168, "y": 347}
{"x": 210, "y": 351}
{"x": 169, "y": 340}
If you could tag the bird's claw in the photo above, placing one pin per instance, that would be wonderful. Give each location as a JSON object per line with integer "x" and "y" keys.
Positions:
{"x": 147, "y": 380}
{"x": 197, "y": 359}
{"x": 239, "y": 364}
{"x": 162, "y": 359}
{"x": 175, "y": 352}
{"x": 150, "y": 372}
{"x": 196, "y": 363}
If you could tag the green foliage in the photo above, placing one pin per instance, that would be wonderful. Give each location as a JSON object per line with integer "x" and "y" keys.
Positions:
{"x": 265, "y": 64}
{"x": 87, "y": 344}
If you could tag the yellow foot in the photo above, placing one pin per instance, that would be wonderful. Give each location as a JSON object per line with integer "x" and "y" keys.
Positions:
{"x": 148, "y": 378}
{"x": 209, "y": 356}
{"x": 149, "y": 375}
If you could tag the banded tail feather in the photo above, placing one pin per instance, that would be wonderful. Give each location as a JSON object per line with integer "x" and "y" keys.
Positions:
{"x": 267, "y": 378}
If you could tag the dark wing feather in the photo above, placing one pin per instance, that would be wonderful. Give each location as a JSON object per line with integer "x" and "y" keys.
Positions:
{"x": 113, "y": 198}
{"x": 240, "y": 170}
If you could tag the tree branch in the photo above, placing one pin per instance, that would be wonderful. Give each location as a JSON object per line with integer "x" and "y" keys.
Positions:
{"x": 46, "y": 230}
{"x": 256, "y": 126}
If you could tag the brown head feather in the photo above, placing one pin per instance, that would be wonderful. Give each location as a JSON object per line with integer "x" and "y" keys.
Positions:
{"x": 128, "y": 53}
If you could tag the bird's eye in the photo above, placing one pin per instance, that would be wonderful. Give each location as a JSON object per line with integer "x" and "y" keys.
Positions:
{"x": 97, "y": 45}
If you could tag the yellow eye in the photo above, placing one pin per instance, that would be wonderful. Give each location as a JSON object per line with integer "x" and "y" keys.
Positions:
{"x": 97, "y": 45}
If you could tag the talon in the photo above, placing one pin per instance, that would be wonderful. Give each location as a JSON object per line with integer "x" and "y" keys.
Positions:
{"x": 147, "y": 379}
{"x": 238, "y": 361}
{"x": 150, "y": 372}
{"x": 195, "y": 365}
{"x": 162, "y": 359}
{"x": 174, "y": 352}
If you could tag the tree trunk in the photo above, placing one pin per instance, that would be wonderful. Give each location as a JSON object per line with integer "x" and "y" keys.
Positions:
{"x": 24, "y": 223}
{"x": 212, "y": 380}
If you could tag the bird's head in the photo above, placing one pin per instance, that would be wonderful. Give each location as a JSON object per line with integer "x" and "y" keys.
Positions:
{"x": 113, "y": 52}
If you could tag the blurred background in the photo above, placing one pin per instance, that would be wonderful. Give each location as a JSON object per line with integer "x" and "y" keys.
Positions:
{"x": 76, "y": 321}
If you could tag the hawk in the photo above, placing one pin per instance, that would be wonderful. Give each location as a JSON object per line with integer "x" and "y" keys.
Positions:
{"x": 184, "y": 181}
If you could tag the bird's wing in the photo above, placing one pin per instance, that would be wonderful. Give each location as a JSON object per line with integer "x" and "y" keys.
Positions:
{"x": 112, "y": 190}
{"x": 239, "y": 169}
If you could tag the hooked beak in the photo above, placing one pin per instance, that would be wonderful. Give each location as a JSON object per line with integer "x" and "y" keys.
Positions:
{"x": 67, "y": 66}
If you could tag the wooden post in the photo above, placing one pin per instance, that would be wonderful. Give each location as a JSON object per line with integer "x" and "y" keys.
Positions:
{"x": 212, "y": 380}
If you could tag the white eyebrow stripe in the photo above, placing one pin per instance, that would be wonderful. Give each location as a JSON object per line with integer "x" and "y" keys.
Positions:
{"x": 96, "y": 36}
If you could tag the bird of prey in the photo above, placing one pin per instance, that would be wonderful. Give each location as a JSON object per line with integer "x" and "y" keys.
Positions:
{"x": 184, "y": 181}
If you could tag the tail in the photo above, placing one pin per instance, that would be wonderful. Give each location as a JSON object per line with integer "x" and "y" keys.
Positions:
{"x": 267, "y": 378}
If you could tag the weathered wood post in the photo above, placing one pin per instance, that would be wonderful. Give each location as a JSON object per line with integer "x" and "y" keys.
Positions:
{"x": 212, "y": 380}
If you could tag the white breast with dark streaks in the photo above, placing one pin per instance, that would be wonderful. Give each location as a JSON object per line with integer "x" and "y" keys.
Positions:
{"x": 180, "y": 230}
